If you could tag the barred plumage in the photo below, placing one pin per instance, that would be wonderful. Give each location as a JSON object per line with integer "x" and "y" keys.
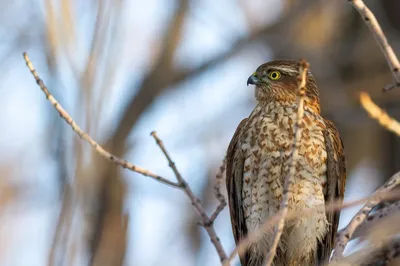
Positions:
{"x": 258, "y": 161}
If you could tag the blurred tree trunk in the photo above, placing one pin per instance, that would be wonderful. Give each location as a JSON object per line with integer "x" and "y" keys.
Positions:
{"x": 109, "y": 242}
{"x": 108, "y": 239}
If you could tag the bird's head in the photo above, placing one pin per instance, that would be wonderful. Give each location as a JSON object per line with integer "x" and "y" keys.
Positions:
{"x": 278, "y": 81}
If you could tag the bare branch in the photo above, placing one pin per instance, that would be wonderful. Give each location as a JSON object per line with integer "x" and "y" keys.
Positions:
{"x": 332, "y": 206}
{"x": 382, "y": 253}
{"x": 346, "y": 234}
{"x": 292, "y": 168}
{"x": 379, "y": 115}
{"x": 380, "y": 38}
{"x": 376, "y": 221}
{"x": 83, "y": 135}
{"x": 378, "y": 253}
{"x": 207, "y": 223}
{"x": 217, "y": 191}
{"x": 181, "y": 184}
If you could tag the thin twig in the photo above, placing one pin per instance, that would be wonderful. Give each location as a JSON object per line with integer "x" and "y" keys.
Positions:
{"x": 287, "y": 193}
{"x": 380, "y": 38}
{"x": 181, "y": 184}
{"x": 346, "y": 234}
{"x": 205, "y": 220}
{"x": 83, "y": 135}
{"x": 378, "y": 114}
{"x": 217, "y": 191}
{"x": 332, "y": 206}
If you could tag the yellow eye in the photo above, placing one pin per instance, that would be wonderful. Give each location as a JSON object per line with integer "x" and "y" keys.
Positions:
{"x": 274, "y": 75}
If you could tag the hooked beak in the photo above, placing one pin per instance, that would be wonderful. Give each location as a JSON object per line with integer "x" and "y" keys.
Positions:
{"x": 253, "y": 80}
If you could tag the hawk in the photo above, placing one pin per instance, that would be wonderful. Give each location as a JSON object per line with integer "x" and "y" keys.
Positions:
{"x": 258, "y": 160}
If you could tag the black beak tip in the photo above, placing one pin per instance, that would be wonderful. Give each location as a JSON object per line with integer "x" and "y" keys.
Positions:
{"x": 252, "y": 80}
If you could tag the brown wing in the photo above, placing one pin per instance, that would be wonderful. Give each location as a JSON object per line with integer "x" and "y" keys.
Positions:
{"x": 234, "y": 180}
{"x": 336, "y": 179}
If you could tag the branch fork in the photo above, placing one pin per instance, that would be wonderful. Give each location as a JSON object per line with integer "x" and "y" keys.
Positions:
{"x": 206, "y": 221}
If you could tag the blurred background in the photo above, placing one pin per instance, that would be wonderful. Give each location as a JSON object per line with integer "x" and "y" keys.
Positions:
{"x": 123, "y": 68}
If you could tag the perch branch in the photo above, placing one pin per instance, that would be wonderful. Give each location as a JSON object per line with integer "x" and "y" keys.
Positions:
{"x": 383, "y": 253}
{"x": 380, "y": 38}
{"x": 292, "y": 168}
{"x": 375, "y": 219}
{"x": 346, "y": 234}
{"x": 181, "y": 184}
{"x": 335, "y": 205}
{"x": 379, "y": 115}
{"x": 378, "y": 253}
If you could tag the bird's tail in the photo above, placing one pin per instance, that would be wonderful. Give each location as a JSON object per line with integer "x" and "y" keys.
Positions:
{"x": 256, "y": 255}
{"x": 253, "y": 256}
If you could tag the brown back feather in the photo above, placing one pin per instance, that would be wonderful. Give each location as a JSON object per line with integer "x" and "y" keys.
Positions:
{"x": 336, "y": 179}
{"x": 234, "y": 180}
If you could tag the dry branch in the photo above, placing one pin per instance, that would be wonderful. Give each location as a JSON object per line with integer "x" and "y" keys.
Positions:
{"x": 380, "y": 38}
{"x": 292, "y": 168}
{"x": 381, "y": 253}
{"x": 379, "y": 115}
{"x": 83, "y": 135}
{"x": 377, "y": 218}
{"x": 346, "y": 234}
{"x": 181, "y": 184}
{"x": 362, "y": 219}
{"x": 217, "y": 191}
{"x": 207, "y": 223}
{"x": 333, "y": 206}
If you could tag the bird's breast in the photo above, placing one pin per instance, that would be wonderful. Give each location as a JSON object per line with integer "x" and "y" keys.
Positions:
{"x": 266, "y": 143}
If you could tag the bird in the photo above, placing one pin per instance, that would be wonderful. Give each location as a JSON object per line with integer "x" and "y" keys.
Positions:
{"x": 257, "y": 162}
